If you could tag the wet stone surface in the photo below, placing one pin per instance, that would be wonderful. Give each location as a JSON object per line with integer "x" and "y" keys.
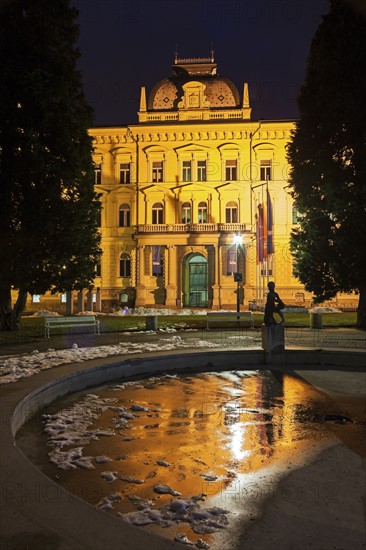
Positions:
{"x": 163, "y": 453}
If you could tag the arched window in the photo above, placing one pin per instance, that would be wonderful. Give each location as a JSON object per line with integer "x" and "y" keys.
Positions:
{"x": 125, "y": 265}
{"x": 186, "y": 212}
{"x": 231, "y": 212}
{"x": 124, "y": 218}
{"x": 157, "y": 213}
{"x": 202, "y": 212}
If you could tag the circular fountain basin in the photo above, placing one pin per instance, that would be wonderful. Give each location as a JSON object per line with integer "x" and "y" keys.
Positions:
{"x": 40, "y": 507}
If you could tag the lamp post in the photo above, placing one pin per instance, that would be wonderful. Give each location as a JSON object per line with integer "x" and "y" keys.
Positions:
{"x": 238, "y": 277}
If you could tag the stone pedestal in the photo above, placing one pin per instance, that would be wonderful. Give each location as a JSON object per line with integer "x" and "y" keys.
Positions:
{"x": 89, "y": 301}
{"x": 69, "y": 303}
{"x": 273, "y": 338}
{"x": 80, "y": 301}
{"x": 98, "y": 302}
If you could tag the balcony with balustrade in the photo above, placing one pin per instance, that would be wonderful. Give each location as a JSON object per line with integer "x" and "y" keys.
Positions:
{"x": 193, "y": 228}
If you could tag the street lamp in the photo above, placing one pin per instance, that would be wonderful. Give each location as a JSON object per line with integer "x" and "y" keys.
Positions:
{"x": 238, "y": 277}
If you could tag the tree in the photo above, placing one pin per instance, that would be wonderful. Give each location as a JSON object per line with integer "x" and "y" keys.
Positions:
{"x": 327, "y": 153}
{"x": 48, "y": 208}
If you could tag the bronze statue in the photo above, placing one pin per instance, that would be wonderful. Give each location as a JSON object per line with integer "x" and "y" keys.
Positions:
{"x": 273, "y": 305}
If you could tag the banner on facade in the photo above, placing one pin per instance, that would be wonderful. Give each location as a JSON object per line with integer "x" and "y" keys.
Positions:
{"x": 156, "y": 260}
{"x": 231, "y": 259}
{"x": 264, "y": 229}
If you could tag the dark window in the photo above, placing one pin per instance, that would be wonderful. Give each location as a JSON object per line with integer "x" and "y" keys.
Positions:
{"x": 98, "y": 269}
{"x": 157, "y": 171}
{"x": 202, "y": 212}
{"x": 231, "y": 212}
{"x": 186, "y": 212}
{"x": 231, "y": 170}
{"x": 124, "y": 216}
{"x": 201, "y": 170}
{"x": 97, "y": 174}
{"x": 266, "y": 170}
{"x": 187, "y": 170}
{"x": 125, "y": 266}
{"x": 157, "y": 213}
{"x": 124, "y": 173}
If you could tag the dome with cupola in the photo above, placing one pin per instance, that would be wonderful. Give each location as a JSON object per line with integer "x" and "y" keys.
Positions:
{"x": 194, "y": 88}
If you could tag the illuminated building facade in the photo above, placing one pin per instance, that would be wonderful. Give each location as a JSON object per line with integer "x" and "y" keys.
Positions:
{"x": 179, "y": 187}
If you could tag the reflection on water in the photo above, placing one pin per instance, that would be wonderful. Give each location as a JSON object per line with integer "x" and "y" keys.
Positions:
{"x": 196, "y": 435}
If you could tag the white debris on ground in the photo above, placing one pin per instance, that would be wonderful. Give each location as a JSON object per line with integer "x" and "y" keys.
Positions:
{"x": 202, "y": 520}
{"x": 14, "y": 367}
{"x": 319, "y": 309}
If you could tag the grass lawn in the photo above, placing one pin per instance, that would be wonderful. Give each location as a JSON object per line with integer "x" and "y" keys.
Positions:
{"x": 33, "y": 327}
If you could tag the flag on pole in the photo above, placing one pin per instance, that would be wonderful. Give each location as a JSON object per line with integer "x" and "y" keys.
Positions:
{"x": 260, "y": 234}
{"x": 270, "y": 244}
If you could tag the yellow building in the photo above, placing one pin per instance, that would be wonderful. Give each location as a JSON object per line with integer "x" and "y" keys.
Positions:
{"x": 180, "y": 185}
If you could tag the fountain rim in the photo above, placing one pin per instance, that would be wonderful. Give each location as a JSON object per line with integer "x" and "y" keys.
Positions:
{"x": 37, "y": 498}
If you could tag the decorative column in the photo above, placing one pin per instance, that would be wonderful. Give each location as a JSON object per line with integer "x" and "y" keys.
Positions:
{"x": 98, "y": 303}
{"x": 89, "y": 300}
{"x": 140, "y": 287}
{"x": 171, "y": 271}
{"x": 216, "y": 285}
{"x": 81, "y": 301}
{"x": 69, "y": 303}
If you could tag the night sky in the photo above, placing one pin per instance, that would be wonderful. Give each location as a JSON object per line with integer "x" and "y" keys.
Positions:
{"x": 128, "y": 44}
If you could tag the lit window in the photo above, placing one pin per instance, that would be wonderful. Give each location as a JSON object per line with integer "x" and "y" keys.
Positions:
{"x": 97, "y": 174}
{"x": 36, "y": 298}
{"x": 63, "y": 298}
{"x": 124, "y": 173}
{"x": 201, "y": 170}
{"x": 157, "y": 213}
{"x": 202, "y": 212}
{"x": 186, "y": 212}
{"x": 231, "y": 170}
{"x": 124, "y": 216}
{"x": 266, "y": 170}
{"x": 187, "y": 170}
{"x": 157, "y": 171}
{"x": 231, "y": 212}
{"x": 125, "y": 266}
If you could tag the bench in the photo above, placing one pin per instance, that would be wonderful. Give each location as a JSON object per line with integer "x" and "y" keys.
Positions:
{"x": 71, "y": 322}
{"x": 224, "y": 318}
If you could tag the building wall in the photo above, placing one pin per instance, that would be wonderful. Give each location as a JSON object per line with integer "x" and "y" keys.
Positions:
{"x": 139, "y": 146}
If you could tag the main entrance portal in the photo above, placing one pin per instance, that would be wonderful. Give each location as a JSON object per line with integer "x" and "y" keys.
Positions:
{"x": 195, "y": 281}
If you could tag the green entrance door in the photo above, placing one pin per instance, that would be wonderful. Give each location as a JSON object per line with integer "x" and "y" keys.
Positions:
{"x": 196, "y": 281}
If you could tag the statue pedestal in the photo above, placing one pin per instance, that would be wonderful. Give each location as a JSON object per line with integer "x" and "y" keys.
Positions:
{"x": 273, "y": 338}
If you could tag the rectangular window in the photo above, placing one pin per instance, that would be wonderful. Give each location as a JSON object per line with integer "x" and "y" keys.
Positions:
{"x": 187, "y": 170}
{"x": 201, "y": 170}
{"x": 124, "y": 217}
{"x": 97, "y": 174}
{"x": 98, "y": 269}
{"x": 157, "y": 171}
{"x": 231, "y": 170}
{"x": 124, "y": 173}
{"x": 125, "y": 267}
{"x": 266, "y": 170}
{"x": 36, "y": 298}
